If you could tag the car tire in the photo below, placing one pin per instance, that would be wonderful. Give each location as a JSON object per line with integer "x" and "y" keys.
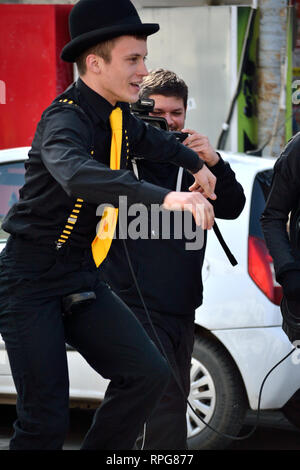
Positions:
{"x": 217, "y": 392}
{"x": 291, "y": 409}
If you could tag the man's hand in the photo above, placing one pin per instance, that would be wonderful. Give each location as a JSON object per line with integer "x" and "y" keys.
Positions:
{"x": 201, "y": 145}
{"x": 205, "y": 183}
{"x": 196, "y": 203}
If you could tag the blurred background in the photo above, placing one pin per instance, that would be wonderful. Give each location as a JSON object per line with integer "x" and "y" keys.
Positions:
{"x": 240, "y": 59}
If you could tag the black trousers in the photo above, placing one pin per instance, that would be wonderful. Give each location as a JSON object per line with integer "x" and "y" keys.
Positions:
{"x": 33, "y": 281}
{"x": 166, "y": 428}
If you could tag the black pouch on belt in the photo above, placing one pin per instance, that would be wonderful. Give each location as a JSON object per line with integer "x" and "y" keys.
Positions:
{"x": 73, "y": 303}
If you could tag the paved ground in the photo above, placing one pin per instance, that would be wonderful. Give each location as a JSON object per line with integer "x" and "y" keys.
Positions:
{"x": 274, "y": 432}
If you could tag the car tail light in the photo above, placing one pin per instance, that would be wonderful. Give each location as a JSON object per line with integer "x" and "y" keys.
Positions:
{"x": 261, "y": 269}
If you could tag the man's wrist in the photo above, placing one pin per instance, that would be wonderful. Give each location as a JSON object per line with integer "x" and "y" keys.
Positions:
{"x": 214, "y": 160}
{"x": 199, "y": 167}
{"x": 219, "y": 168}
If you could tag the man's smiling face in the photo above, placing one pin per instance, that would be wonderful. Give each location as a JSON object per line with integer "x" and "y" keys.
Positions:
{"x": 120, "y": 79}
{"x": 171, "y": 108}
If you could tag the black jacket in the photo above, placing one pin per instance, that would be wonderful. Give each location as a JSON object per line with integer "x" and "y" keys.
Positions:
{"x": 169, "y": 275}
{"x": 68, "y": 168}
{"x": 283, "y": 199}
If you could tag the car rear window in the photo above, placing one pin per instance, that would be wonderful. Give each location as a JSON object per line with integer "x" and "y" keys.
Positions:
{"x": 11, "y": 180}
{"x": 260, "y": 191}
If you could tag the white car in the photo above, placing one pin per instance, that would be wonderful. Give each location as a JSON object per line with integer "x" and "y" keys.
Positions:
{"x": 238, "y": 328}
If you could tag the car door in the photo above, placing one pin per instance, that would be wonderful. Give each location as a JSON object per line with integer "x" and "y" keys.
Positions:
{"x": 11, "y": 180}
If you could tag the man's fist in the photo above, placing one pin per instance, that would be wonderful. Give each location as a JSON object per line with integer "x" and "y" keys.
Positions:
{"x": 201, "y": 145}
{"x": 205, "y": 183}
{"x": 196, "y": 203}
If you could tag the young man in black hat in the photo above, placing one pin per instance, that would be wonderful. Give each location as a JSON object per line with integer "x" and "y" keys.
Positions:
{"x": 78, "y": 160}
{"x": 169, "y": 273}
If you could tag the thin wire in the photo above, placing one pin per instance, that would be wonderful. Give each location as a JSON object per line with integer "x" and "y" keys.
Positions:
{"x": 224, "y": 132}
{"x": 144, "y": 437}
{"x": 246, "y": 436}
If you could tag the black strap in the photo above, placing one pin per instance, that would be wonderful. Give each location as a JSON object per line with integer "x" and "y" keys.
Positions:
{"x": 229, "y": 255}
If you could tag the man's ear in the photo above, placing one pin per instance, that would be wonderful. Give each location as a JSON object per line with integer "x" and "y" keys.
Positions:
{"x": 93, "y": 63}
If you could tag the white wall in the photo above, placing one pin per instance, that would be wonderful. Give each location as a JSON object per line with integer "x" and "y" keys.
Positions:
{"x": 195, "y": 43}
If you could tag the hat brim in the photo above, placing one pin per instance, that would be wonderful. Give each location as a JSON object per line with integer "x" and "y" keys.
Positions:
{"x": 77, "y": 46}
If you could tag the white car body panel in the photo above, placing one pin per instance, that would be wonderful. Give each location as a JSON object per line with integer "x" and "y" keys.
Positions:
{"x": 14, "y": 154}
{"x": 256, "y": 351}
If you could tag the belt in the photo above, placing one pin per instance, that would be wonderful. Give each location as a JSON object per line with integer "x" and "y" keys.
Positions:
{"x": 19, "y": 244}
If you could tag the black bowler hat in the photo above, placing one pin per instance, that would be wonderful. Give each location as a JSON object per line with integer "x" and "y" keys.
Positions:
{"x": 94, "y": 21}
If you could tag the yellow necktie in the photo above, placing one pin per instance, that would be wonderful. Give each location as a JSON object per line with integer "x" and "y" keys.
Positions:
{"x": 102, "y": 242}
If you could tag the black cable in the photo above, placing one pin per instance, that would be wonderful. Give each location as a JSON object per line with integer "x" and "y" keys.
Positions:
{"x": 236, "y": 438}
{"x": 246, "y": 436}
{"x": 224, "y": 132}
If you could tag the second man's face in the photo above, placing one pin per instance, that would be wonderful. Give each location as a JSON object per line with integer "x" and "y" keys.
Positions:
{"x": 172, "y": 109}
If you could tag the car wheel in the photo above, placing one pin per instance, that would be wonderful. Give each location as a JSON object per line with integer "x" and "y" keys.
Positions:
{"x": 217, "y": 394}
